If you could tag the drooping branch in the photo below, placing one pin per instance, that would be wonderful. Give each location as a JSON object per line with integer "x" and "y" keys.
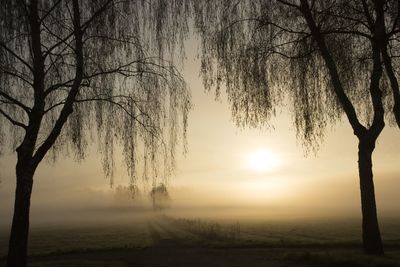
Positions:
{"x": 346, "y": 32}
{"x": 126, "y": 70}
{"x": 289, "y": 4}
{"x": 393, "y": 83}
{"x": 15, "y": 101}
{"x": 48, "y": 12}
{"x": 347, "y": 106}
{"x": 82, "y": 26}
{"x": 13, "y": 121}
{"x": 114, "y": 101}
{"x": 396, "y": 20}
{"x": 349, "y": 18}
{"x": 15, "y": 55}
{"x": 17, "y": 75}
{"x": 124, "y": 108}
{"x": 367, "y": 14}
{"x": 129, "y": 49}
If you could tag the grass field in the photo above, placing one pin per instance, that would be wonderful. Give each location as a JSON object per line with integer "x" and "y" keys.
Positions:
{"x": 168, "y": 241}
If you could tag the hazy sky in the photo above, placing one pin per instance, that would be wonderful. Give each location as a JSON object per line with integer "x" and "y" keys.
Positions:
{"x": 222, "y": 169}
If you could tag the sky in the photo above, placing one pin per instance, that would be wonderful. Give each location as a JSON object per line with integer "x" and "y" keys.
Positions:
{"x": 231, "y": 172}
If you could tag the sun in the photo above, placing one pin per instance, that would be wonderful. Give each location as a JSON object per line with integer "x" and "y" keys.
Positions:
{"x": 263, "y": 161}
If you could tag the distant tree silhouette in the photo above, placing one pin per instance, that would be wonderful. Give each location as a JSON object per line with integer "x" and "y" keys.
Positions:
{"x": 328, "y": 58}
{"x": 159, "y": 196}
{"x": 77, "y": 71}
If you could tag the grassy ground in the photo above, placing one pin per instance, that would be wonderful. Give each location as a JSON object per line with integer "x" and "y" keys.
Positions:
{"x": 167, "y": 241}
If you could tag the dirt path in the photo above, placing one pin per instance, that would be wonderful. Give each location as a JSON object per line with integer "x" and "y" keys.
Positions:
{"x": 169, "y": 249}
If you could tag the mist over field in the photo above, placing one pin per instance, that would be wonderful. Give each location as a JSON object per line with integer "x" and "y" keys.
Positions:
{"x": 77, "y": 210}
{"x": 102, "y": 205}
{"x": 213, "y": 179}
{"x": 199, "y": 133}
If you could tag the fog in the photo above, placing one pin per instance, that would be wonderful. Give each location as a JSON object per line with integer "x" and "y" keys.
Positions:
{"x": 212, "y": 179}
{"x": 59, "y": 205}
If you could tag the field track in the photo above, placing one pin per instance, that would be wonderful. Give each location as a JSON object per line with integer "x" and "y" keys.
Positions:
{"x": 195, "y": 243}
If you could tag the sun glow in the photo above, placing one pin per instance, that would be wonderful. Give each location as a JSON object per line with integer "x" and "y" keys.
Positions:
{"x": 263, "y": 161}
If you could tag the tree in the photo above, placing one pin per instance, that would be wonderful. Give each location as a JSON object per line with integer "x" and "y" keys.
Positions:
{"x": 159, "y": 196}
{"x": 74, "y": 72}
{"x": 325, "y": 58}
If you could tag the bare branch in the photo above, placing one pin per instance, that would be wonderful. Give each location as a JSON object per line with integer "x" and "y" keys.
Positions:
{"x": 348, "y": 107}
{"x": 16, "y": 56}
{"x": 82, "y": 27}
{"x": 13, "y": 121}
{"x": 289, "y": 4}
{"x": 15, "y": 101}
{"x": 367, "y": 15}
{"x": 49, "y": 11}
{"x": 17, "y": 75}
{"x": 387, "y": 59}
{"x": 347, "y": 32}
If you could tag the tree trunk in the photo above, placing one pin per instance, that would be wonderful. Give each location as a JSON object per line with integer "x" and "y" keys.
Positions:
{"x": 372, "y": 241}
{"x": 18, "y": 244}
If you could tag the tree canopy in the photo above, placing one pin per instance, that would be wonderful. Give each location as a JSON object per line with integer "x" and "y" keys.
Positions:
{"x": 323, "y": 59}
{"x": 266, "y": 55}
{"x": 105, "y": 68}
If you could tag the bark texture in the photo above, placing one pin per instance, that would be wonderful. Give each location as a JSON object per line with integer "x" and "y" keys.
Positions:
{"x": 372, "y": 242}
{"x": 18, "y": 243}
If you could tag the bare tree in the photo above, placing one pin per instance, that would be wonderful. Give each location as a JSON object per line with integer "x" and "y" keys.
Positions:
{"x": 326, "y": 58}
{"x": 74, "y": 72}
